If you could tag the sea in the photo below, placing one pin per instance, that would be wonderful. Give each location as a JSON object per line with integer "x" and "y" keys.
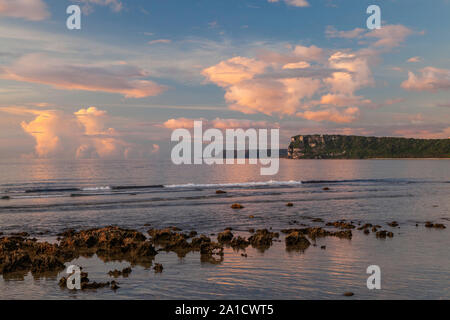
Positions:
{"x": 49, "y": 196}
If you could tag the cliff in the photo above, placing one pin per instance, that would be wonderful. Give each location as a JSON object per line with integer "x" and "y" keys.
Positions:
{"x": 358, "y": 147}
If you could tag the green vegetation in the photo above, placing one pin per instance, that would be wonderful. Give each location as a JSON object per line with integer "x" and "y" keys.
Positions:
{"x": 357, "y": 147}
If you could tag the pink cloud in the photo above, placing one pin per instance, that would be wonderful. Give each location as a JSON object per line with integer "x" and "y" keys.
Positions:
{"x": 115, "y": 78}
{"x": 82, "y": 134}
{"x": 332, "y": 115}
{"x": 234, "y": 70}
{"x": 34, "y": 10}
{"x": 390, "y": 35}
{"x": 430, "y": 79}
{"x": 218, "y": 123}
{"x": 160, "y": 41}
{"x": 291, "y": 83}
{"x": 294, "y": 3}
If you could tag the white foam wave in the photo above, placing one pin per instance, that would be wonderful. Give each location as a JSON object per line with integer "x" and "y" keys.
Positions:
{"x": 237, "y": 184}
{"x": 96, "y": 188}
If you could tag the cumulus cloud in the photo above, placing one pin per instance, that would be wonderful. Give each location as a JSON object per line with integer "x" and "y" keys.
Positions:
{"x": 82, "y": 134}
{"x": 115, "y": 78}
{"x": 311, "y": 53}
{"x": 430, "y": 79}
{"x": 33, "y": 10}
{"x": 301, "y": 79}
{"x": 234, "y": 70}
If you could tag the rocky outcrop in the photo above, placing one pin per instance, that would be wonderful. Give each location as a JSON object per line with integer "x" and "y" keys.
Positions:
{"x": 358, "y": 147}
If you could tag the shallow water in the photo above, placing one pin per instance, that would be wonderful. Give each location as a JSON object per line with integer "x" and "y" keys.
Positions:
{"x": 48, "y": 197}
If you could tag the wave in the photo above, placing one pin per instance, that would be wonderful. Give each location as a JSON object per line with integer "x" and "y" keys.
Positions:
{"x": 137, "y": 187}
{"x": 236, "y": 184}
{"x": 96, "y": 188}
{"x": 52, "y": 190}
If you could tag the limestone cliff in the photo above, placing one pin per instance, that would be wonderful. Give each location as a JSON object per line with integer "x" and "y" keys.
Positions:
{"x": 358, "y": 147}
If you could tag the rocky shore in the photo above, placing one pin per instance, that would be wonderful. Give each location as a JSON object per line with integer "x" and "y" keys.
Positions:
{"x": 21, "y": 254}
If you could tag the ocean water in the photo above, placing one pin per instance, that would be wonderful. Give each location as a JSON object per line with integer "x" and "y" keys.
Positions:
{"x": 48, "y": 196}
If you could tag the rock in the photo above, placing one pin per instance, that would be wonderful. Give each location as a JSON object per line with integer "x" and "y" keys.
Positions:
{"x": 317, "y": 220}
{"x": 374, "y": 229}
{"x": 158, "y": 268}
{"x": 20, "y": 234}
{"x": 220, "y": 192}
{"x": 251, "y": 230}
{"x": 318, "y": 232}
{"x": 298, "y": 240}
{"x": 366, "y": 231}
{"x": 262, "y": 238}
{"x": 429, "y": 224}
{"x": 323, "y": 247}
{"x": 325, "y": 189}
{"x": 5, "y": 197}
{"x": 239, "y": 243}
{"x": 289, "y": 204}
{"x": 383, "y": 234}
{"x": 114, "y": 285}
{"x": 225, "y": 236}
{"x": 365, "y": 226}
{"x": 199, "y": 241}
{"x": 117, "y": 273}
{"x": 237, "y": 206}
{"x": 244, "y": 255}
{"x": 341, "y": 225}
{"x": 211, "y": 248}
{"x": 192, "y": 234}
{"x": 393, "y": 224}
{"x": 349, "y": 294}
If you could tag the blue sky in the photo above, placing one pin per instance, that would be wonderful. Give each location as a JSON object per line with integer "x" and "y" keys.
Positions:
{"x": 304, "y": 66}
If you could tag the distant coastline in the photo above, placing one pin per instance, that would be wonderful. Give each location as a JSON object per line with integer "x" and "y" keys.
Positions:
{"x": 360, "y": 147}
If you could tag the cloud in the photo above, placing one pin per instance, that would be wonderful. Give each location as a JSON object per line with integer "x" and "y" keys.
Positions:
{"x": 414, "y": 59}
{"x": 332, "y": 32}
{"x": 218, "y": 123}
{"x": 114, "y": 78}
{"x": 87, "y": 5}
{"x": 424, "y": 133}
{"x": 346, "y": 115}
{"x": 285, "y": 83}
{"x": 311, "y": 53}
{"x": 180, "y": 123}
{"x": 159, "y": 41}
{"x": 33, "y": 10}
{"x": 430, "y": 79}
{"x": 234, "y": 70}
{"x": 297, "y": 65}
{"x": 83, "y": 134}
{"x": 294, "y": 3}
{"x": 388, "y": 36}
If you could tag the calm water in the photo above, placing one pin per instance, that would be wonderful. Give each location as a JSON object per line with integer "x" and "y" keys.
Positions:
{"x": 415, "y": 264}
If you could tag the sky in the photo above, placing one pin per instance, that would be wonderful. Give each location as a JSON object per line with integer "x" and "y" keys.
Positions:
{"x": 138, "y": 69}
